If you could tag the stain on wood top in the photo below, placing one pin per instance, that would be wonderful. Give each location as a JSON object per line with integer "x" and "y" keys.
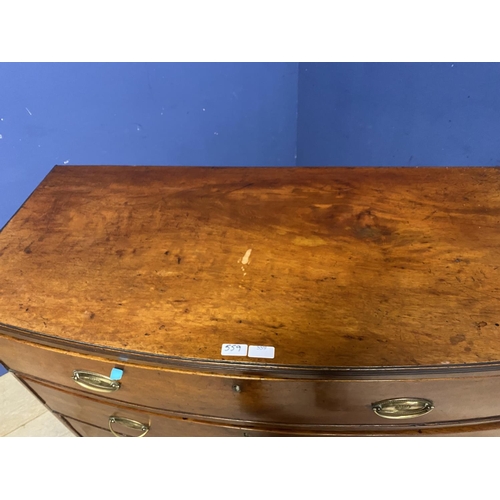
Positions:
{"x": 334, "y": 267}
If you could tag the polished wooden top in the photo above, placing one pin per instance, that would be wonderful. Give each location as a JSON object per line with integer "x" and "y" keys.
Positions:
{"x": 334, "y": 267}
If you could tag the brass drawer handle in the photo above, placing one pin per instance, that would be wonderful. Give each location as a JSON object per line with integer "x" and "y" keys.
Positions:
{"x": 127, "y": 422}
{"x": 95, "y": 381}
{"x": 402, "y": 407}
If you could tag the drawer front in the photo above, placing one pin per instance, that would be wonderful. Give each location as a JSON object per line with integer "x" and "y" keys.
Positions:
{"x": 265, "y": 400}
{"x": 486, "y": 430}
{"x": 98, "y": 413}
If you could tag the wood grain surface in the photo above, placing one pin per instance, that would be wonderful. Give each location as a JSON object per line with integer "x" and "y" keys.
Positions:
{"x": 334, "y": 267}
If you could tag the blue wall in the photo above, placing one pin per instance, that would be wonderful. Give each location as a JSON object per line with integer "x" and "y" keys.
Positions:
{"x": 399, "y": 114}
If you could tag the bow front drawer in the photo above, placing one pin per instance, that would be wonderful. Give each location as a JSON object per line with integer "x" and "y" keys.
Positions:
{"x": 323, "y": 402}
{"x": 96, "y": 417}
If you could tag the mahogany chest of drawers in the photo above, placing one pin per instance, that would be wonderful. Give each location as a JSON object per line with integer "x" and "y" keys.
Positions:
{"x": 169, "y": 301}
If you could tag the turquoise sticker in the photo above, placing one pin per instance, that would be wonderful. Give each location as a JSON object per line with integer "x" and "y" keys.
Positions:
{"x": 116, "y": 374}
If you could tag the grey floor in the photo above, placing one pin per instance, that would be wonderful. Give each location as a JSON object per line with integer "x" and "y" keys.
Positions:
{"x": 22, "y": 414}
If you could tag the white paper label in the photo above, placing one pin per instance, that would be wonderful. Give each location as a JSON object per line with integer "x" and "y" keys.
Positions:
{"x": 234, "y": 349}
{"x": 261, "y": 351}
